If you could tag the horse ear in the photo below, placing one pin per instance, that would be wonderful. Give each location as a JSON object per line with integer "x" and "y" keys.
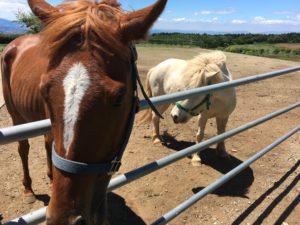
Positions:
{"x": 41, "y": 8}
{"x": 135, "y": 25}
{"x": 211, "y": 70}
{"x": 211, "y": 74}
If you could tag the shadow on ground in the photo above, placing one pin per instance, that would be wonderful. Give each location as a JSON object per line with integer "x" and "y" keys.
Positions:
{"x": 267, "y": 211}
{"x": 43, "y": 198}
{"x": 237, "y": 186}
{"x": 170, "y": 142}
{"x": 120, "y": 214}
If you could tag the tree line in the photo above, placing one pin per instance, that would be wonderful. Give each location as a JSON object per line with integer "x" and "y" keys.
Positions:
{"x": 34, "y": 25}
{"x": 224, "y": 40}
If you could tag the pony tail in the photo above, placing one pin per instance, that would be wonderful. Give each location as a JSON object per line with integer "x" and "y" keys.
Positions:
{"x": 146, "y": 115}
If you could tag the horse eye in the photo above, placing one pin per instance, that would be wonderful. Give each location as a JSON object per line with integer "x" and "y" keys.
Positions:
{"x": 118, "y": 101}
{"x": 120, "y": 97}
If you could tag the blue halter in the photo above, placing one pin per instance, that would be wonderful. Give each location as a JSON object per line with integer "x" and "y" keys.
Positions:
{"x": 75, "y": 167}
{"x": 85, "y": 168}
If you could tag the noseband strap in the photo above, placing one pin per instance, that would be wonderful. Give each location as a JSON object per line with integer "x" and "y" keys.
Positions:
{"x": 192, "y": 111}
{"x": 110, "y": 168}
{"x": 75, "y": 167}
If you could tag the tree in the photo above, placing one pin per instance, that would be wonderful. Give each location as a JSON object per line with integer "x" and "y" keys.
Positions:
{"x": 29, "y": 20}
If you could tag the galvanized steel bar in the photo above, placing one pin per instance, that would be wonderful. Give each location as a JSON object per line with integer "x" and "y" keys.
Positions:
{"x": 24, "y": 131}
{"x": 33, "y": 218}
{"x": 11, "y": 134}
{"x": 213, "y": 186}
{"x": 165, "y": 99}
{"x": 163, "y": 162}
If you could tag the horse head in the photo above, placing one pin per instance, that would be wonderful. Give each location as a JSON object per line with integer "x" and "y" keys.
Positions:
{"x": 89, "y": 91}
{"x": 184, "y": 110}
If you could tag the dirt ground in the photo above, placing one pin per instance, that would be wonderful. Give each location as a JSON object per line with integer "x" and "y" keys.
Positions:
{"x": 266, "y": 193}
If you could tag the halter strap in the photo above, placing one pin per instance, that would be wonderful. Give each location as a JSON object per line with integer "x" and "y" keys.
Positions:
{"x": 191, "y": 111}
{"x": 138, "y": 79}
{"x": 75, "y": 167}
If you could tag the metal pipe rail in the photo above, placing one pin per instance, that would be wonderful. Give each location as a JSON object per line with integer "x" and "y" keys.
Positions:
{"x": 29, "y": 130}
{"x": 213, "y": 186}
{"x": 163, "y": 162}
{"x": 164, "y": 99}
{"x": 33, "y": 218}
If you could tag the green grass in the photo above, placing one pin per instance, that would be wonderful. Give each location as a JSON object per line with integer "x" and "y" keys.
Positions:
{"x": 145, "y": 44}
{"x": 2, "y": 46}
{"x": 265, "y": 50}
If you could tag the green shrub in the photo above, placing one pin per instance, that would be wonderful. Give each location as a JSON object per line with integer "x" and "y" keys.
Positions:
{"x": 6, "y": 38}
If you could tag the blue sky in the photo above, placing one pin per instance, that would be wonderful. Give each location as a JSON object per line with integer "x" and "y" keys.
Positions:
{"x": 208, "y": 15}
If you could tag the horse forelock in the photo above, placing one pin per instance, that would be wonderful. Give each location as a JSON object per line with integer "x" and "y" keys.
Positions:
{"x": 86, "y": 25}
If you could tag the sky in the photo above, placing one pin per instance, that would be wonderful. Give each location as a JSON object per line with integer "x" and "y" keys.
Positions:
{"x": 255, "y": 16}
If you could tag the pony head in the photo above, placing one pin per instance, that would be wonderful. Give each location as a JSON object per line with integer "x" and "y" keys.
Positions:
{"x": 184, "y": 110}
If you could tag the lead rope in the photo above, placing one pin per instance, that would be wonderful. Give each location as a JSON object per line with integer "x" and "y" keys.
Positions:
{"x": 135, "y": 71}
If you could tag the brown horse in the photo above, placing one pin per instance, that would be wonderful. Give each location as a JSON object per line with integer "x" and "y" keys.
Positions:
{"x": 78, "y": 72}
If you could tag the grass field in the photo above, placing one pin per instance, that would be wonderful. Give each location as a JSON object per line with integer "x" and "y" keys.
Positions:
{"x": 2, "y": 47}
{"x": 286, "y": 51}
{"x": 278, "y": 51}
{"x": 289, "y": 45}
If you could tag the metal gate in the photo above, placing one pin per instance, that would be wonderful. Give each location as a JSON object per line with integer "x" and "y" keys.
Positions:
{"x": 20, "y": 132}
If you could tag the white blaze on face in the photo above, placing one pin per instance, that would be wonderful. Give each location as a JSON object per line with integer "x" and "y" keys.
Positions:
{"x": 76, "y": 83}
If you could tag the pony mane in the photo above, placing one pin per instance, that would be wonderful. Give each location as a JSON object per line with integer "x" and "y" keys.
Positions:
{"x": 84, "y": 24}
{"x": 194, "y": 74}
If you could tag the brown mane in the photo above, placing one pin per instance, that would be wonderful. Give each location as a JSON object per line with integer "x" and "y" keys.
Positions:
{"x": 84, "y": 24}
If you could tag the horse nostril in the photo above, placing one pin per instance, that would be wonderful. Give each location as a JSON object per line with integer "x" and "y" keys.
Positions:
{"x": 79, "y": 221}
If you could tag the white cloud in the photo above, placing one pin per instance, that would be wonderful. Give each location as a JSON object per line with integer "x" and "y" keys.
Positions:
{"x": 180, "y": 19}
{"x": 218, "y": 12}
{"x": 258, "y": 25}
{"x": 238, "y": 21}
{"x": 10, "y": 8}
{"x": 204, "y": 12}
{"x": 264, "y": 21}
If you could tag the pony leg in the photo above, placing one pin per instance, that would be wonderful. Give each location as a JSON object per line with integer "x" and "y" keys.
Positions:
{"x": 202, "y": 120}
{"x": 23, "y": 149}
{"x": 156, "y": 138}
{"x": 48, "y": 146}
{"x": 221, "y": 126}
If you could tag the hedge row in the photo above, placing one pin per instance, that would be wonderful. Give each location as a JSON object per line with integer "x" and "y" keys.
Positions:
{"x": 6, "y": 38}
{"x": 215, "y": 41}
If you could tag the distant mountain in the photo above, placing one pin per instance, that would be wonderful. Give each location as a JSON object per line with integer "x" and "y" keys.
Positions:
{"x": 154, "y": 31}
{"x": 197, "y": 32}
{"x": 9, "y": 27}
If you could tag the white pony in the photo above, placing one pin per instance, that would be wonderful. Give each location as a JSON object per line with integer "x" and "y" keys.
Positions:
{"x": 173, "y": 75}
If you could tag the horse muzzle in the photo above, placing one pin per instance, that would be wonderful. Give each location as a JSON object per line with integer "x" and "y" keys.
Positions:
{"x": 76, "y": 220}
